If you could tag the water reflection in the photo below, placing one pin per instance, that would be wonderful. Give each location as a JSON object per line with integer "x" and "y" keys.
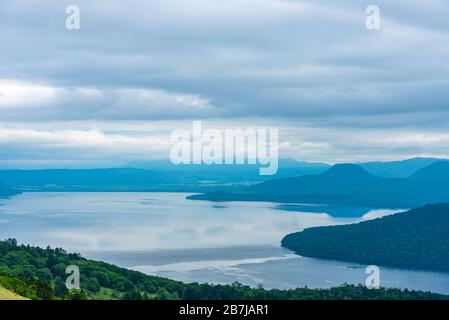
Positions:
{"x": 337, "y": 211}
{"x": 149, "y": 221}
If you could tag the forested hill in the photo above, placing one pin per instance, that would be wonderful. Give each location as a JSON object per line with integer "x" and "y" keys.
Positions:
{"x": 38, "y": 274}
{"x": 416, "y": 239}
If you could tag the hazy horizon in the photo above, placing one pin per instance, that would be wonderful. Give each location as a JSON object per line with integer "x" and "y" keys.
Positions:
{"x": 144, "y": 164}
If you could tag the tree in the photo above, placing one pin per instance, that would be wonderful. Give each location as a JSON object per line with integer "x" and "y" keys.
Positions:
{"x": 44, "y": 290}
{"x": 60, "y": 287}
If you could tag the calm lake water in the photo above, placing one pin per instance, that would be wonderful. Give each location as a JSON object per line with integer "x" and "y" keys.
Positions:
{"x": 165, "y": 234}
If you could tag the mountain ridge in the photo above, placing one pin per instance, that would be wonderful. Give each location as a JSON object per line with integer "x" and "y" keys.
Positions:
{"x": 348, "y": 184}
{"x": 399, "y": 169}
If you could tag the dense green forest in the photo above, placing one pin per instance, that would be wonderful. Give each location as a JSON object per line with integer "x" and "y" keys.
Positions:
{"x": 416, "y": 239}
{"x": 38, "y": 273}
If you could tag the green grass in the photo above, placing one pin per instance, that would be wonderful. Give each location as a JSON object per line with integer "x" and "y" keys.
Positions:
{"x": 8, "y": 295}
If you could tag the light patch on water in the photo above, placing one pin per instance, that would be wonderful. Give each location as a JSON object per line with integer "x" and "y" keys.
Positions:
{"x": 207, "y": 264}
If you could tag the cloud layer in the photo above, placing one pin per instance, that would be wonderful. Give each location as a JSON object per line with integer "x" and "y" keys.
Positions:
{"x": 289, "y": 63}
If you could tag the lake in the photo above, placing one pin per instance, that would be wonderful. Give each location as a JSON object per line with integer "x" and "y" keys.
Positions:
{"x": 195, "y": 241}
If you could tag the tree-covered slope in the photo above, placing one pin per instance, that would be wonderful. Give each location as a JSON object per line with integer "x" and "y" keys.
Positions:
{"x": 417, "y": 239}
{"x": 38, "y": 274}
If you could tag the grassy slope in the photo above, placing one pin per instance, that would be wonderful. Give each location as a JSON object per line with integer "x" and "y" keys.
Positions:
{"x": 8, "y": 295}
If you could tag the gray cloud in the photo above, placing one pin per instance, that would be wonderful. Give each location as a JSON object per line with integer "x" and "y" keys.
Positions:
{"x": 265, "y": 57}
{"x": 25, "y": 101}
{"x": 312, "y": 62}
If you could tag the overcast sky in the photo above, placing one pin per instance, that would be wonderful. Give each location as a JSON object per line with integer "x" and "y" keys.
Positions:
{"x": 112, "y": 91}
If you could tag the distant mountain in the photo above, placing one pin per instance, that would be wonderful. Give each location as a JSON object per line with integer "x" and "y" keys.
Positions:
{"x": 156, "y": 175}
{"x": 339, "y": 178}
{"x": 6, "y": 191}
{"x": 312, "y": 181}
{"x": 348, "y": 184}
{"x": 436, "y": 171}
{"x": 417, "y": 239}
{"x": 233, "y": 173}
{"x": 87, "y": 180}
{"x": 290, "y": 168}
{"x": 398, "y": 169}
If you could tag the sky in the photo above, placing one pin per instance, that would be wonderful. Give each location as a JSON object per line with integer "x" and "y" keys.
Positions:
{"x": 112, "y": 91}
